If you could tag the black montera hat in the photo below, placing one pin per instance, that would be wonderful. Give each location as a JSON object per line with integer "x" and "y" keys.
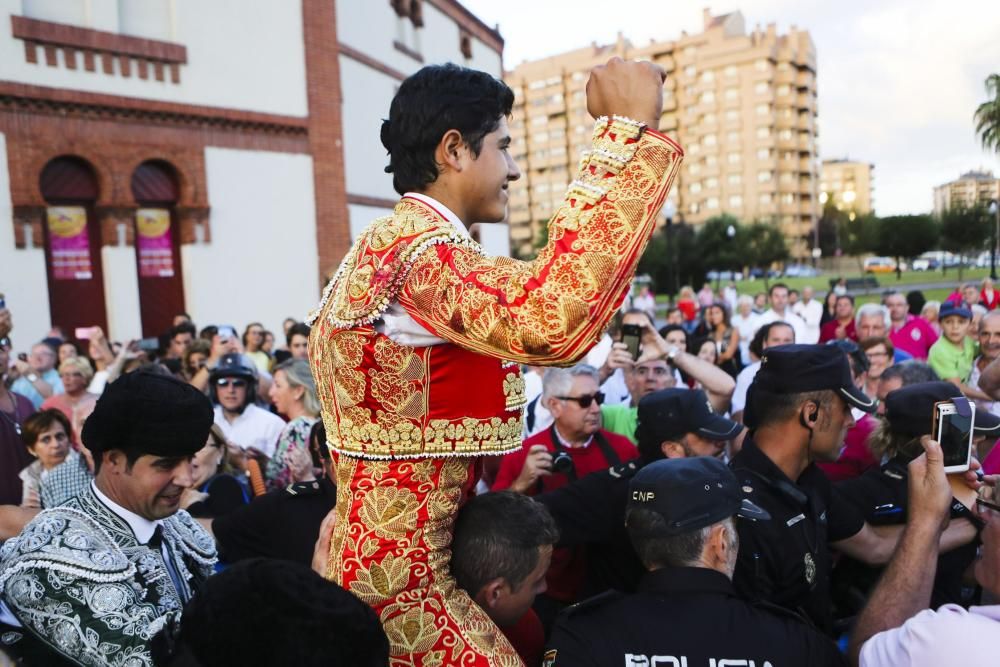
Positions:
{"x": 151, "y": 414}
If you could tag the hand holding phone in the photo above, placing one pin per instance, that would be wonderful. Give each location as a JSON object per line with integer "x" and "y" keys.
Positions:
{"x": 953, "y": 428}
{"x": 631, "y": 336}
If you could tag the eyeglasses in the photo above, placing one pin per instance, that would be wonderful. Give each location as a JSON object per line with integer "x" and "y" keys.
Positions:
{"x": 226, "y": 382}
{"x": 584, "y": 401}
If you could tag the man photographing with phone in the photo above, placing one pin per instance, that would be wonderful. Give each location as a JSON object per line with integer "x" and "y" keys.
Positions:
{"x": 896, "y": 627}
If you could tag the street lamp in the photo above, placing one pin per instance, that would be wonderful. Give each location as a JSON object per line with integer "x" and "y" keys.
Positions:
{"x": 995, "y": 211}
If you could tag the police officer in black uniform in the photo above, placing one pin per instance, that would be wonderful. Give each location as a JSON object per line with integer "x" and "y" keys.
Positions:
{"x": 672, "y": 423}
{"x": 880, "y": 494}
{"x": 686, "y": 611}
{"x": 798, "y": 409}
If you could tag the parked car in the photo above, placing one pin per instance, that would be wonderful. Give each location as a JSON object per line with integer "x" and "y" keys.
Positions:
{"x": 734, "y": 276}
{"x": 925, "y": 264}
{"x": 800, "y": 271}
{"x": 880, "y": 265}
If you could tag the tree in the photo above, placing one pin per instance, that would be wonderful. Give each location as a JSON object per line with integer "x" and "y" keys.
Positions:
{"x": 905, "y": 236}
{"x": 830, "y": 224}
{"x": 718, "y": 249}
{"x": 671, "y": 258}
{"x": 965, "y": 229}
{"x": 987, "y": 115}
{"x": 765, "y": 245}
{"x": 858, "y": 236}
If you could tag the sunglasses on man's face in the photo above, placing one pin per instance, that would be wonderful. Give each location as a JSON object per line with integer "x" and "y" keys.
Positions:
{"x": 234, "y": 382}
{"x": 584, "y": 401}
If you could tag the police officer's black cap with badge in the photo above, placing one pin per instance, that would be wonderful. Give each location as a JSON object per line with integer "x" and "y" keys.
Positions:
{"x": 670, "y": 413}
{"x": 796, "y": 369}
{"x": 691, "y": 493}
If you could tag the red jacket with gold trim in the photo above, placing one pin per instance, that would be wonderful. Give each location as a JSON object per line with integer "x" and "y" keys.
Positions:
{"x": 465, "y": 397}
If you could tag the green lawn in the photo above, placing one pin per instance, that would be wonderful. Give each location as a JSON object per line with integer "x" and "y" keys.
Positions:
{"x": 821, "y": 283}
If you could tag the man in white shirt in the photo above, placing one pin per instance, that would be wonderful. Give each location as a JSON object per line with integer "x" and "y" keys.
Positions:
{"x": 89, "y": 582}
{"x": 896, "y": 629}
{"x": 772, "y": 334}
{"x": 233, "y": 387}
{"x": 811, "y": 312}
{"x": 781, "y": 311}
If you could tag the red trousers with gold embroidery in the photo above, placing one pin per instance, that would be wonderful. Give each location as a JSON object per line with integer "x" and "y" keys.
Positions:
{"x": 390, "y": 548}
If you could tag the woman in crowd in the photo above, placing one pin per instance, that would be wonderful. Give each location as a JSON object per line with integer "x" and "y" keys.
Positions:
{"x": 46, "y": 434}
{"x": 195, "y": 357}
{"x": 726, "y": 338}
{"x": 76, "y": 402}
{"x": 294, "y": 395}
{"x": 930, "y": 313}
{"x": 746, "y": 322}
{"x": 829, "y": 308}
{"x": 216, "y": 491}
{"x": 915, "y": 301}
{"x": 879, "y": 352}
{"x": 67, "y": 350}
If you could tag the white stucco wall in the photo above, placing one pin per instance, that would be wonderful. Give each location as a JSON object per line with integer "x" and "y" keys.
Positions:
{"x": 372, "y": 27}
{"x": 262, "y": 261}
{"x": 22, "y": 272}
{"x": 367, "y": 95}
{"x": 121, "y": 292}
{"x": 242, "y": 54}
{"x": 361, "y": 216}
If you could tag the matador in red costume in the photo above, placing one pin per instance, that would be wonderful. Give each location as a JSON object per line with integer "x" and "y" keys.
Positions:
{"x": 417, "y": 342}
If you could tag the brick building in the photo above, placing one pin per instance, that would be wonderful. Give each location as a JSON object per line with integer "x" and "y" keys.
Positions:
{"x": 742, "y": 104}
{"x": 212, "y": 157}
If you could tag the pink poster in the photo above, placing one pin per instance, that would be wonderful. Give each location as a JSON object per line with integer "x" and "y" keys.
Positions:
{"x": 156, "y": 253}
{"x": 69, "y": 243}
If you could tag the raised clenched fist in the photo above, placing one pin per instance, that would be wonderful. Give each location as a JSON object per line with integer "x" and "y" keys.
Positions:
{"x": 633, "y": 89}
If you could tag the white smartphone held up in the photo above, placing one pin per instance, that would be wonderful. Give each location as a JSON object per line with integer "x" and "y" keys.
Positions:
{"x": 954, "y": 431}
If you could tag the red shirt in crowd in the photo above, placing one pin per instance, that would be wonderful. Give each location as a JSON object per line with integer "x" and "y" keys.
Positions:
{"x": 990, "y": 301}
{"x": 915, "y": 337}
{"x": 688, "y": 308}
{"x": 568, "y": 567}
{"x": 829, "y": 331}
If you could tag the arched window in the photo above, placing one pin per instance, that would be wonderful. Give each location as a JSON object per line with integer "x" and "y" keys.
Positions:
{"x": 72, "y": 244}
{"x": 156, "y": 189}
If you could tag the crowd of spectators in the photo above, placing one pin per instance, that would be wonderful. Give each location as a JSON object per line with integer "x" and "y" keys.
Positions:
{"x": 753, "y": 381}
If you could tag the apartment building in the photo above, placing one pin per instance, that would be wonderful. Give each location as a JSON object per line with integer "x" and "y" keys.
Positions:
{"x": 849, "y": 184}
{"x": 968, "y": 189}
{"x": 743, "y": 106}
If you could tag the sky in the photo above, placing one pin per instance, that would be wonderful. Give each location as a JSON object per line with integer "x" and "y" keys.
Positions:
{"x": 898, "y": 80}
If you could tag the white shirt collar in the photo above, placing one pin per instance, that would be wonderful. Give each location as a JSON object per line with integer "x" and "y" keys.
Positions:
{"x": 142, "y": 528}
{"x": 446, "y": 212}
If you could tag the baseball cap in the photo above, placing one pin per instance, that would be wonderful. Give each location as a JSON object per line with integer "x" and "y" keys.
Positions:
{"x": 691, "y": 493}
{"x": 796, "y": 369}
{"x": 949, "y": 308}
{"x": 910, "y": 409}
{"x": 670, "y": 413}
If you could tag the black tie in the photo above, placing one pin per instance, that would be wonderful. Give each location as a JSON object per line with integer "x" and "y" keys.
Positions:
{"x": 156, "y": 544}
